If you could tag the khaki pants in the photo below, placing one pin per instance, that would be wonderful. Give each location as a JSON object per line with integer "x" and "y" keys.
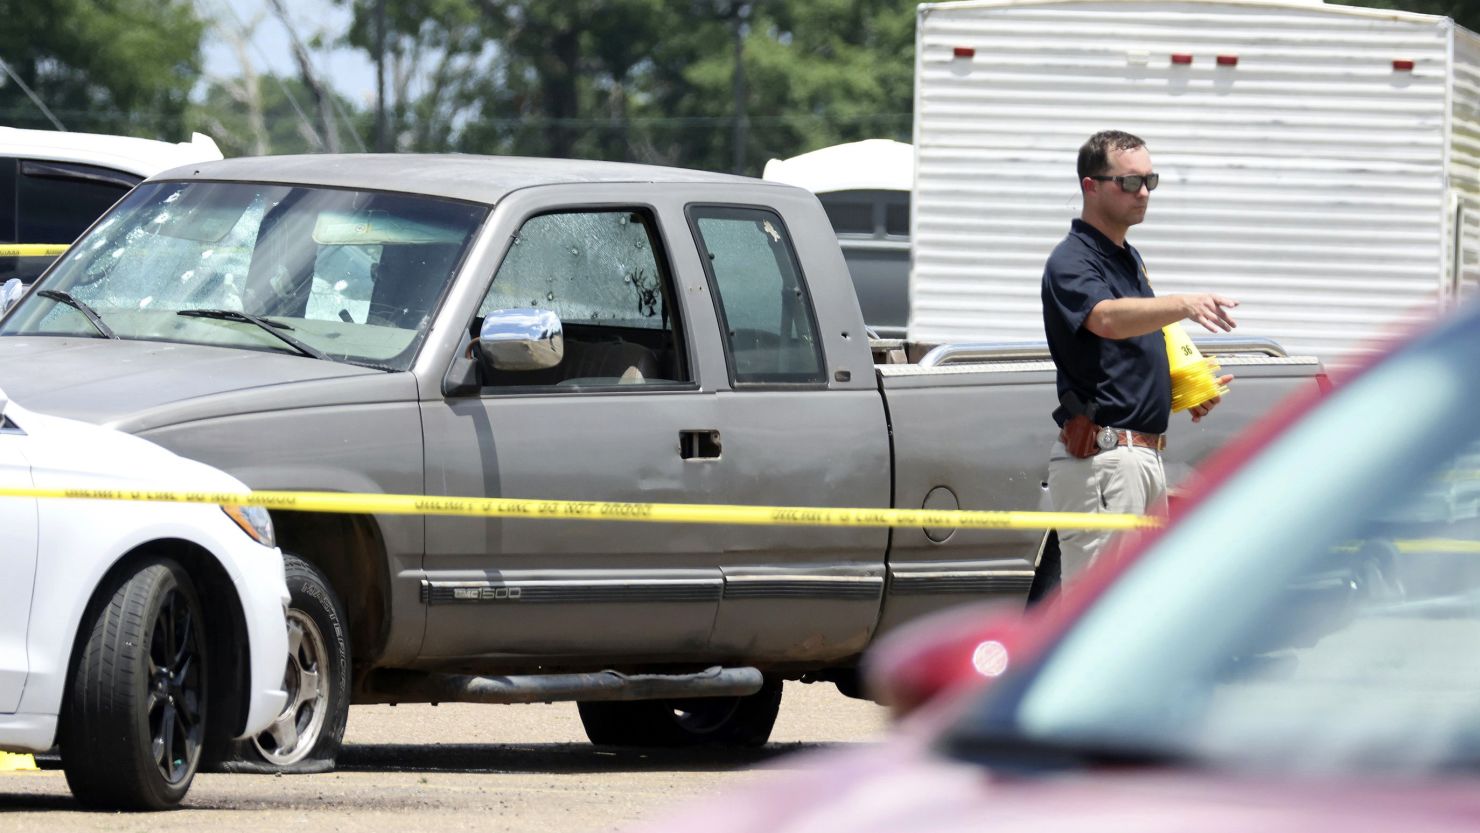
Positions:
{"x": 1124, "y": 480}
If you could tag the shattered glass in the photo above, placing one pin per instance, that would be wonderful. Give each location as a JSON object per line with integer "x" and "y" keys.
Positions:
{"x": 595, "y": 267}
{"x": 353, "y": 274}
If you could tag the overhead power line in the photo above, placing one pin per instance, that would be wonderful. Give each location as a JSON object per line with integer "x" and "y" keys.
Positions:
{"x": 36, "y": 99}
{"x": 247, "y": 33}
{"x": 338, "y": 116}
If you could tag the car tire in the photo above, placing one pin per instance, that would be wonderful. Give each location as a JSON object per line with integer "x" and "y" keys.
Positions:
{"x": 306, "y": 736}
{"x": 698, "y": 721}
{"x": 134, "y": 716}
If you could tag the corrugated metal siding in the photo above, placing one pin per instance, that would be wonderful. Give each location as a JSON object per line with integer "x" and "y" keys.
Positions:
{"x": 1306, "y": 182}
{"x": 1464, "y": 164}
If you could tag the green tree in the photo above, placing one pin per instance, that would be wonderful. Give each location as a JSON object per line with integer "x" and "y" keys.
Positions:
{"x": 255, "y": 115}
{"x": 113, "y": 66}
{"x": 816, "y": 73}
{"x": 565, "y": 75}
{"x": 437, "y": 54}
{"x": 654, "y": 80}
{"x": 646, "y": 80}
{"x": 1464, "y": 12}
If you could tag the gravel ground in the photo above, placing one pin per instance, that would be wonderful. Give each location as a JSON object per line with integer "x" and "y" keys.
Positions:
{"x": 463, "y": 767}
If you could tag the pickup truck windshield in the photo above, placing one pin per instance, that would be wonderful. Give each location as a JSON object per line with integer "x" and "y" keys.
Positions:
{"x": 351, "y": 276}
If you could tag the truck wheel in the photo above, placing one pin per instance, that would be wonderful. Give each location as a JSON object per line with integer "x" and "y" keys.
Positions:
{"x": 305, "y": 737}
{"x": 133, "y": 723}
{"x": 696, "y": 721}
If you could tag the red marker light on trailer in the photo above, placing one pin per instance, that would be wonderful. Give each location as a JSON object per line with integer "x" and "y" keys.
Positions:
{"x": 963, "y": 52}
{"x": 1403, "y": 65}
{"x": 1181, "y": 57}
{"x": 1227, "y": 60}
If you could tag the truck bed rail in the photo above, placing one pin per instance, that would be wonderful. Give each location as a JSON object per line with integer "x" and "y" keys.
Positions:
{"x": 1017, "y": 351}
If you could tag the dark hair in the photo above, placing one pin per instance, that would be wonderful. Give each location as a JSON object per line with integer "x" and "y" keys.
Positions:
{"x": 1094, "y": 155}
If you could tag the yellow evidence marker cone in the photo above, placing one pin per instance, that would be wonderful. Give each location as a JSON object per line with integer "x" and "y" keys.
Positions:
{"x": 16, "y": 762}
{"x": 1194, "y": 377}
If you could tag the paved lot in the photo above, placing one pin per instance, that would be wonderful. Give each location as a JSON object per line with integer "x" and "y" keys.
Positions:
{"x": 462, "y": 767}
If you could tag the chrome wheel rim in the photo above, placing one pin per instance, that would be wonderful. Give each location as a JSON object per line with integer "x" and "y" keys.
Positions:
{"x": 176, "y": 695}
{"x": 295, "y": 731}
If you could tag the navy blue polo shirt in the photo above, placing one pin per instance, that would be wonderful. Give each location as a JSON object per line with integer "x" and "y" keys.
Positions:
{"x": 1128, "y": 378}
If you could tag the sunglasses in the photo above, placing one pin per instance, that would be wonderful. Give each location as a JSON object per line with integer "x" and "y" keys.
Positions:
{"x": 1131, "y": 184}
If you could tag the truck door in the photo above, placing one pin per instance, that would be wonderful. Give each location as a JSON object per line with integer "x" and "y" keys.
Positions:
{"x": 793, "y": 433}
{"x": 17, "y": 564}
{"x": 613, "y": 421}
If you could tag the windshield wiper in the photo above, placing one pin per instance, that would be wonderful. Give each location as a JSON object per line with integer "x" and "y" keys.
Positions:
{"x": 87, "y": 312}
{"x": 273, "y": 328}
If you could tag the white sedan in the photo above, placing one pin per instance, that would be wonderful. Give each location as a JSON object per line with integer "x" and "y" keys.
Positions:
{"x": 137, "y": 636}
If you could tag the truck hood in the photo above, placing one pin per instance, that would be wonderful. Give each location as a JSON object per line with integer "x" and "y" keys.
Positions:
{"x": 139, "y": 385}
{"x": 65, "y": 453}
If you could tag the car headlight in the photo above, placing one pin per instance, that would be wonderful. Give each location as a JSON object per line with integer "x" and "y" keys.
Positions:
{"x": 254, "y": 521}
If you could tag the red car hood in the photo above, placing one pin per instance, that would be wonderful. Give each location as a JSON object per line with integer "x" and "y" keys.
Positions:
{"x": 900, "y": 790}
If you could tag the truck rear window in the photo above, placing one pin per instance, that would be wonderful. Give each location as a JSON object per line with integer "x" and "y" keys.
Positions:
{"x": 763, "y": 304}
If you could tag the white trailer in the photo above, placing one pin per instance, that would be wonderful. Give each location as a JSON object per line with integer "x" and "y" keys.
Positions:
{"x": 1319, "y": 163}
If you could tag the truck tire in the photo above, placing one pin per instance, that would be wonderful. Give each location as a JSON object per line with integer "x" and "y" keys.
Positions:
{"x": 307, "y": 734}
{"x": 134, "y": 716}
{"x": 698, "y": 721}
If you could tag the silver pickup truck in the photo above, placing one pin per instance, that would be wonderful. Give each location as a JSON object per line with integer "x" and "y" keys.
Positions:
{"x": 554, "y": 329}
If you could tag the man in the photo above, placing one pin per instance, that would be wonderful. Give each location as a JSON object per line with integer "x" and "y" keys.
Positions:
{"x": 1104, "y": 331}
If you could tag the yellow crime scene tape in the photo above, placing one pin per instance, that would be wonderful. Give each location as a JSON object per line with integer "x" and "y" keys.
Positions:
{"x": 32, "y": 249}
{"x": 1438, "y": 545}
{"x": 1421, "y": 545}
{"x": 692, "y": 513}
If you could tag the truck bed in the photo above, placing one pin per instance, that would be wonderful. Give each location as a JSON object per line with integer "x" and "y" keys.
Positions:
{"x": 977, "y": 435}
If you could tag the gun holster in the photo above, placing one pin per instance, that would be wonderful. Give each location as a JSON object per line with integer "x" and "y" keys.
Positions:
{"x": 1080, "y": 437}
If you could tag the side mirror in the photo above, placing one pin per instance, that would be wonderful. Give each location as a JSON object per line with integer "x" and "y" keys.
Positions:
{"x": 10, "y": 292}
{"x": 925, "y": 659}
{"x": 521, "y": 339}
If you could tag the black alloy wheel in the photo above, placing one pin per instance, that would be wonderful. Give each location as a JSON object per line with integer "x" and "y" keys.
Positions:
{"x": 133, "y": 723}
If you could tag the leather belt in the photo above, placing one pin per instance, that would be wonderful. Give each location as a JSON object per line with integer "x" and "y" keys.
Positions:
{"x": 1138, "y": 438}
{"x": 1125, "y": 436}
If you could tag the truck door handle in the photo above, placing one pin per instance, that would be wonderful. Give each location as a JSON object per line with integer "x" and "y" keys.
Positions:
{"x": 702, "y": 444}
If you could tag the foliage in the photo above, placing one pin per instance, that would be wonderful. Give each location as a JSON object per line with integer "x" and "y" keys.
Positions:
{"x": 256, "y": 115}
{"x": 647, "y": 80}
{"x": 436, "y": 51}
{"x": 111, "y": 66}
{"x": 1464, "y": 12}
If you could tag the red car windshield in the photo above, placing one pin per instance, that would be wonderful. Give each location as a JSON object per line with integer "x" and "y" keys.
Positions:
{"x": 1320, "y": 611}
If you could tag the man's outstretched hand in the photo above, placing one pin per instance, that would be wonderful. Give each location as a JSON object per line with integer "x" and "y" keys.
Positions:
{"x": 1210, "y": 310}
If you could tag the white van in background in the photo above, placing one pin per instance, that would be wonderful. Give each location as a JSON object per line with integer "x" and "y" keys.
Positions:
{"x": 865, "y": 189}
{"x": 53, "y": 184}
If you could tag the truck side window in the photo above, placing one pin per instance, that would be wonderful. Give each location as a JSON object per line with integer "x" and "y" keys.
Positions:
{"x": 603, "y": 273}
{"x": 763, "y": 303}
